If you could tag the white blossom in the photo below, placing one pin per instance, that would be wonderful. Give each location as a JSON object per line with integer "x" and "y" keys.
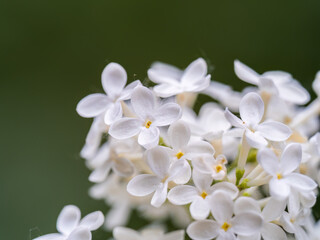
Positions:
{"x": 274, "y": 82}
{"x": 164, "y": 171}
{"x": 114, "y": 79}
{"x": 200, "y": 194}
{"x": 283, "y": 176}
{"x": 251, "y": 113}
{"x": 150, "y": 116}
{"x": 71, "y": 227}
{"x": 226, "y": 225}
{"x": 172, "y": 81}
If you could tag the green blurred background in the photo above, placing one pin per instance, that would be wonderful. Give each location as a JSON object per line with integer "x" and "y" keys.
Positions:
{"x": 52, "y": 55}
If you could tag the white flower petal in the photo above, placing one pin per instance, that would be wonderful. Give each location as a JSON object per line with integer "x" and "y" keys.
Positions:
{"x": 227, "y": 187}
{"x": 182, "y": 195}
{"x": 51, "y": 236}
{"x": 179, "y": 135}
{"x": 301, "y": 182}
{"x": 246, "y": 204}
{"x": 279, "y": 188}
{"x": 255, "y": 140}
{"x": 203, "y": 230}
{"x": 251, "y": 108}
{"x": 118, "y": 215}
{"x": 268, "y": 161}
{"x": 143, "y": 185}
{"x": 247, "y": 223}
{"x": 143, "y": 102}
{"x": 128, "y": 90}
{"x": 68, "y": 219}
{"x": 167, "y": 114}
{"x": 221, "y": 206}
{"x": 125, "y": 128}
{"x": 197, "y": 148}
{"x": 200, "y": 85}
{"x": 101, "y": 173}
{"x": 80, "y": 233}
{"x": 180, "y": 172}
{"x": 195, "y": 71}
{"x": 92, "y": 221}
{"x": 233, "y": 119}
{"x": 271, "y": 231}
{"x": 164, "y": 73}
{"x": 113, "y": 113}
{"x": 291, "y": 158}
{"x": 122, "y": 233}
{"x": 113, "y": 79}
{"x": 149, "y": 137}
{"x": 160, "y": 195}
{"x": 273, "y": 209}
{"x": 294, "y": 92}
{"x": 201, "y": 181}
{"x": 167, "y": 90}
{"x": 274, "y": 131}
{"x": 176, "y": 235}
{"x": 199, "y": 209}
{"x": 93, "y": 105}
{"x": 159, "y": 161}
{"x": 123, "y": 167}
{"x": 245, "y": 73}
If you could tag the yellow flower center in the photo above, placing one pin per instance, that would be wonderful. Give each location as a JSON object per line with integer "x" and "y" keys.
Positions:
{"x": 204, "y": 194}
{"x": 225, "y": 226}
{"x": 218, "y": 168}
{"x": 148, "y": 124}
{"x": 279, "y": 176}
{"x": 179, "y": 155}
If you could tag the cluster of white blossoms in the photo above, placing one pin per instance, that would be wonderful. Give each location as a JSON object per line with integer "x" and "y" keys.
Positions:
{"x": 245, "y": 167}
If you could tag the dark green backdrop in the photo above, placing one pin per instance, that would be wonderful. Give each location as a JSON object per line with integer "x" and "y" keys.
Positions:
{"x": 52, "y": 54}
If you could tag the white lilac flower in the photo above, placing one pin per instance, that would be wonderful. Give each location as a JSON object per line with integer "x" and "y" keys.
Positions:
{"x": 283, "y": 176}
{"x": 94, "y": 136}
{"x": 311, "y": 157}
{"x": 294, "y": 222}
{"x": 270, "y": 213}
{"x": 71, "y": 227}
{"x": 113, "y": 192}
{"x": 251, "y": 113}
{"x": 164, "y": 170}
{"x": 215, "y": 167}
{"x": 172, "y": 81}
{"x": 226, "y": 225}
{"x": 200, "y": 194}
{"x": 150, "y": 116}
{"x": 122, "y": 233}
{"x": 182, "y": 148}
{"x": 273, "y": 82}
{"x": 114, "y": 79}
{"x": 115, "y": 155}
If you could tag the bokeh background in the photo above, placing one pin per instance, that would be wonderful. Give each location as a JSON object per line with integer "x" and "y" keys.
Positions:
{"x": 52, "y": 55}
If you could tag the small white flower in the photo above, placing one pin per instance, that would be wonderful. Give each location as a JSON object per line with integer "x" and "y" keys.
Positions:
{"x": 216, "y": 167}
{"x": 164, "y": 171}
{"x": 283, "y": 176}
{"x": 70, "y": 227}
{"x": 271, "y": 212}
{"x": 172, "y": 81}
{"x": 251, "y": 112}
{"x": 150, "y": 116}
{"x": 274, "y": 82}
{"x": 182, "y": 148}
{"x": 114, "y": 79}
{"x": 200, "y": 194}
{"x": 122, "y": 233}
{"x": 225, "y": 225}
